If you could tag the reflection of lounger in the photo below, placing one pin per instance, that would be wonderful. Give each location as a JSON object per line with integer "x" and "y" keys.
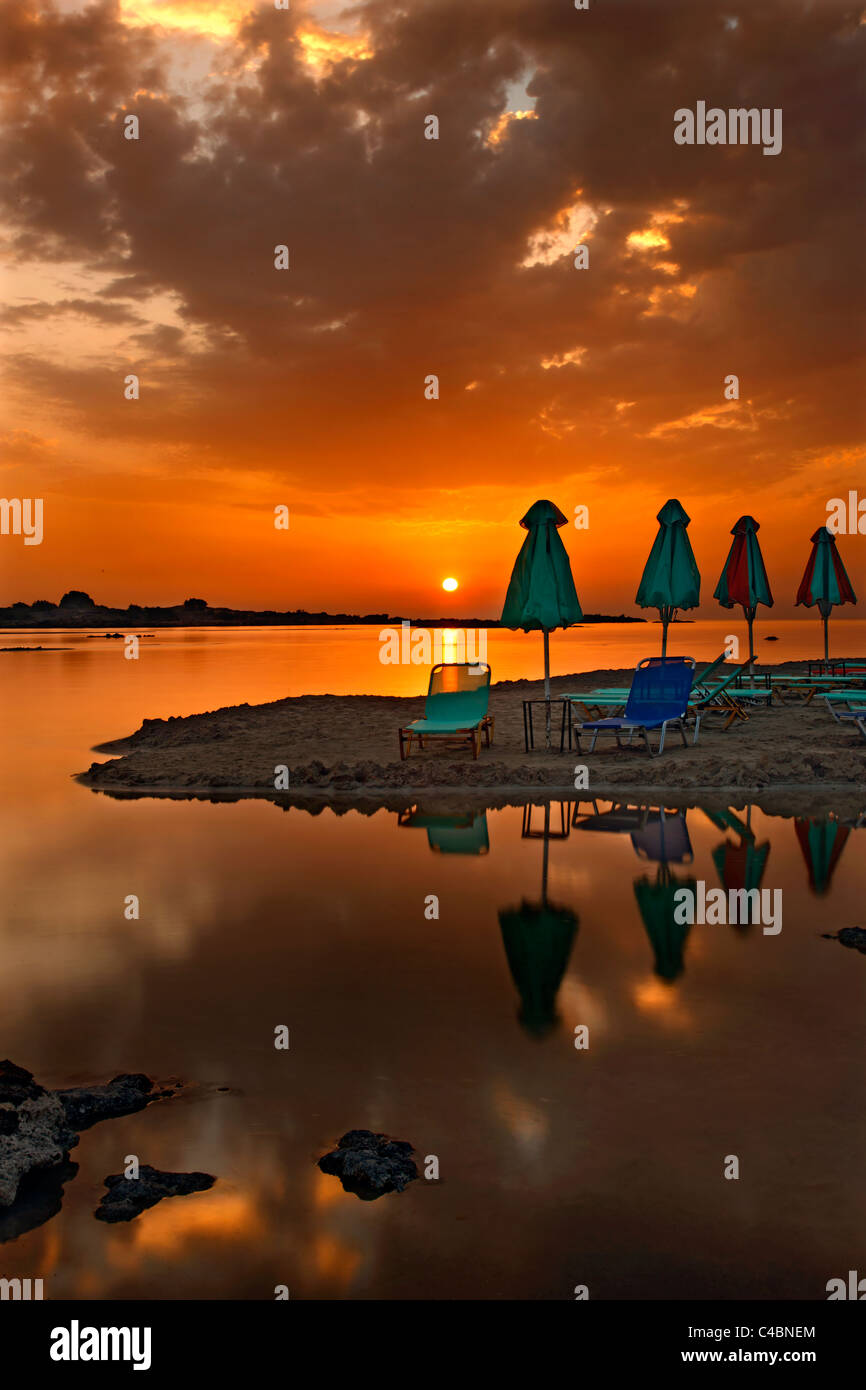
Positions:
{"x": 455, "y": 709}
{"x": 664, "y": 838}
{"x": 463, "y": 834}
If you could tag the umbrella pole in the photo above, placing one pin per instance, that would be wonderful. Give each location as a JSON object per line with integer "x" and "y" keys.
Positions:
{"x": 665, "y": 621}
{"x": 826, "y": 637}
{"x": 545, "y": 852}
{"x": 547, "y": 687}
{"x": 750, "y": 618}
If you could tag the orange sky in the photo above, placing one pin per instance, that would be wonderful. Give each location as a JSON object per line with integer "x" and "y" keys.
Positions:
{"x": 600, "y": 387}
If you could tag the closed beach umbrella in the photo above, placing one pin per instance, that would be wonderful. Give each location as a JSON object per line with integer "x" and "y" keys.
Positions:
{"x": 671, "y": 578}
{"x": 824, "y": 580}
{"x": 744, "y": 578}
{"x": 541, "y": 594}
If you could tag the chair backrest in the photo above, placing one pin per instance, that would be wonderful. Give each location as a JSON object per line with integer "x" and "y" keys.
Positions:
{"x": 458, "y": 690}
{"x": 660, "y": 688}
{"x": 706, "y": 676}
{"x": 735, "y": 674}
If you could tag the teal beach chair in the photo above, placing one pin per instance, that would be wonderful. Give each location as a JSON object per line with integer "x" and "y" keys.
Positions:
{"x": 455, "y": 709}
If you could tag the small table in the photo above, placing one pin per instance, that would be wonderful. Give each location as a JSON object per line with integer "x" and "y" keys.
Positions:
{"x": 566, "y": 724}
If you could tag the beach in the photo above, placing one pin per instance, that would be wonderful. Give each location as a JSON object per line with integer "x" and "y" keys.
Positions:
{"x": 345, "y": 748}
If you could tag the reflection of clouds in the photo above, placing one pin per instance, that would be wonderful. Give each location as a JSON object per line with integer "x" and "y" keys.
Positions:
{"x": 579, "y": 1004}
{"x": 527, "y": 1123}
{"x": 170, "y": 1228}
{"x": 661, "y": 1002}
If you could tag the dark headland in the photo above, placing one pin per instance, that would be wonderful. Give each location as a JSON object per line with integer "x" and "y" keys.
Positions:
{"x": 77, "y": 609}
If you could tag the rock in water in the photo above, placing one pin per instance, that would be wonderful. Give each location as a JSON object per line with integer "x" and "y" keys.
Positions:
{"x": 127, "y": 1198}
{"x": 39, "y": 1127}
{"x": 34, "y": 1131}
{"x": 85, "y": 1105}
{"x": 855, "y": 937}
{"x": 370, "y": 1164}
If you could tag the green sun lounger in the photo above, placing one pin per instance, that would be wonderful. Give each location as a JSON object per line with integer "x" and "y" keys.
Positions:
{"x": 455, "y": 709}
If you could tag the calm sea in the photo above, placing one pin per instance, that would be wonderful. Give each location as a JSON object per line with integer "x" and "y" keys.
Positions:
{"x": 602, "y": 1166}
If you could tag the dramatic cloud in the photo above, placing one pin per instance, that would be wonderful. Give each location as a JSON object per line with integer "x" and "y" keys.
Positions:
{"x": 408, "y": 257}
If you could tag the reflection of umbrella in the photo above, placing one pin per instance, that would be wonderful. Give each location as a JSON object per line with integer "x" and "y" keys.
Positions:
{"x": 741, "y": 866}
{"x": 671, "y": 578}
{"x": 656, "y": 901}
{"x": 824, "y": 580}
{"x": 538, "y": 938}
{"x": 541, "y": 591}
{"x": 744, "y": 578}
{"x": 822, "y": 842}
{"x": 463, "y": 834}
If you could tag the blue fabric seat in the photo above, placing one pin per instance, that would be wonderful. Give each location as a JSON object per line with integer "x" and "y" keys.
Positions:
{"x": 659, "y": 696}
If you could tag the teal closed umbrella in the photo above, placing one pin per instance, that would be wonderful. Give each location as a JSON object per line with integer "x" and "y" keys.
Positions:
{"x": 671, "y": 578}
{"x": 744, "y": 578}
{"x": 541, "y": 593}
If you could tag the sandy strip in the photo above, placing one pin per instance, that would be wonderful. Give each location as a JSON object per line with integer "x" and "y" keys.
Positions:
{"x": 344, "y": 748}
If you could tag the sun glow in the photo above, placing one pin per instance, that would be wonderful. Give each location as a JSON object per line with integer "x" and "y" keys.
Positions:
{"x": 449, "y": 584}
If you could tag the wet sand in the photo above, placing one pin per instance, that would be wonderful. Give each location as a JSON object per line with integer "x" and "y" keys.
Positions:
{"x": 345, "y": 748}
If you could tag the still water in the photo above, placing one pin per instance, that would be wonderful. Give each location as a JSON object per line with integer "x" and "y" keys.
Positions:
{"x": 558, "y": 1166}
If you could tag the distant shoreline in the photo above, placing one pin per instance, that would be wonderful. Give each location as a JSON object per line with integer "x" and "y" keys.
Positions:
{"x": 191, "y": 614}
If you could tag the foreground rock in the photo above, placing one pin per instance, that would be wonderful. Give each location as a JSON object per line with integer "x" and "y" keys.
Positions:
{"x": 369, "y": 1165}
{"x": 854, "y": 937}
{"x": 34, "y": 1131}
{"x": 38, "y": 1127}
{"x": 127, "y": 1198}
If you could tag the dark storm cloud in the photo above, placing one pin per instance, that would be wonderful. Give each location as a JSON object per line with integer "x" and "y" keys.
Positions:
{"x": 406, "y": 253}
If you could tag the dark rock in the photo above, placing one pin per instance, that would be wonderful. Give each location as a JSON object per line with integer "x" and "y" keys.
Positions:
{"x": 127, "y": 1198}
{"x": 85, "y": 1105}
{"x": 855, "y": 937}
{"x": 369, "y": 1165}
{"x": 16, "y": 1084}
{"x": 38, "y": 1128}
{"x": 40, "y": 1196}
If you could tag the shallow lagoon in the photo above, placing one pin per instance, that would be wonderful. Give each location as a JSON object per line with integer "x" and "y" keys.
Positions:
{"x": 558, "y": 1166}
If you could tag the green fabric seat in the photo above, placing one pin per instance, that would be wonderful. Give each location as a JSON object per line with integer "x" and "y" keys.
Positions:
{"x": 455, "y": 708}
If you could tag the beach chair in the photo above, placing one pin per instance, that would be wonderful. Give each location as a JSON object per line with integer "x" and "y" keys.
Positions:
{"x": 615, "y": 696}
{"x": 455, "y": 709}
{"x": 726, "y": 697}
{"x": 848, "y": 716}
{"x": 659, "y": 696}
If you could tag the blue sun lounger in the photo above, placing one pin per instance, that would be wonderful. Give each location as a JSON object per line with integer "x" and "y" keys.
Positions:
{"x": 659, "y": 696}
{"x": 849, "y": 715}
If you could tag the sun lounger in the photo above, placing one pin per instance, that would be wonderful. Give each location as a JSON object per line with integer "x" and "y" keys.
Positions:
{"x": 659, "y": 696}
{"x": 455, "y": 709}
{"x": 615, "y": 696}
{"x": 850, "y": 715}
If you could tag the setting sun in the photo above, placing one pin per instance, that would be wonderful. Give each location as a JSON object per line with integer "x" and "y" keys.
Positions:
{"x": 449, "y": 584}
